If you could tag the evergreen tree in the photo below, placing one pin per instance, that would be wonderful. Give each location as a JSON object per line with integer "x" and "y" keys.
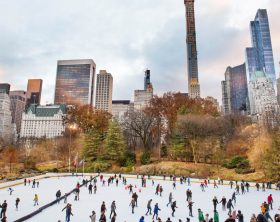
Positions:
{"x": 272, "y": 161}
{"x": 93, "y": 145}
{"x": 114, "y": 142}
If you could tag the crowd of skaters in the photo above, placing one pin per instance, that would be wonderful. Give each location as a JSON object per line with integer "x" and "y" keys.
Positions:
{"x": 240, "y": 188}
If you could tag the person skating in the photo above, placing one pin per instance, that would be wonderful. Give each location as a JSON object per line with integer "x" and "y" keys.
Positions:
{"x": 160, "y": 191}
{"x": 231, "y": 184}
{"x": 90, "y": 186}
{"x": 240, "y": 216}
{"x": 4, "y": 219}
{"x": 258, "y": 186}
{"x": 200, "y": 216}
{"x": 270, "y": 201}
{"x": 215, "y": 184}
{"x": 65, "y": 198}
{"x": 92, "y": 217}
{"x": 157, "y": 190}
{"x": 233, "y": 197}
{"x": 10, "y": 190}
{"x": 247, "y": 185}
{"x": 58, "y": 195}
{"x": 36, "y": 200}
{"x": 234, "y": 215}
{"x": 4, "y": 207}
{"x": 113, "y": 208}
{"x": 229, "y": 206}
{"x": 190, "y": 206}
{"x": 168, "y": 219}
{"x": 216, "y": 216}
{"x": 103, "y": 207}
{"x": 224, "y": 202}
{"x": 132, "y": 204}
{"x": 149, "y": 207}
{"x": 156, "y": 210}
{"x": 135, "y": 197}
{"x": 169, "y": 199}
{"x": 142, "y": 219}
{"x": 17, "y": 203}
{"x": 69, "y": 213}
{"x": 95, "y": 189}
{"x": 173, "y": 207}
{"x": 24, "y": 181}
{"x": 261, "y": 218}
{"x": 267, "y": 216}
{"x": 215, "y": 202}
{"x": 206, "y": 219}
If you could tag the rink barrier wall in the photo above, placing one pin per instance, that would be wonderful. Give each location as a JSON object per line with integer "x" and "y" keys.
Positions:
{"x": 34, "y": 213}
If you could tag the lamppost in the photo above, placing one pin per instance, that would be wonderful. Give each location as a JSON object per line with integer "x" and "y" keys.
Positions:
{"x": 71, "y": 127}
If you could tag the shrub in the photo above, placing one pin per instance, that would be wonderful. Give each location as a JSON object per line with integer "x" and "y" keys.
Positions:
{"x": 237, "y": 162}
{"x": 145, "y": 158}
{"x": 244, "y": 171}
{"x": 128, "y": 159}
{"x": 98, "y": 166}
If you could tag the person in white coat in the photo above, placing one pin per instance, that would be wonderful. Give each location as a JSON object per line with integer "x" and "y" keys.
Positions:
{"x": 93, "y": 216}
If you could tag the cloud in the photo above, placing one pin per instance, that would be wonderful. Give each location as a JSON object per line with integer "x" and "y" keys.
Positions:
{"x": 125, "y": 37}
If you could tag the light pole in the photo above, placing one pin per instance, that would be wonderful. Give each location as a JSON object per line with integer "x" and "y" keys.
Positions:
{"x": 71, "y": 127}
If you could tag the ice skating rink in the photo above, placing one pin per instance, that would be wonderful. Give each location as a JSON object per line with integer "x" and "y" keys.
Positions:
{"x": 248, "y": 203}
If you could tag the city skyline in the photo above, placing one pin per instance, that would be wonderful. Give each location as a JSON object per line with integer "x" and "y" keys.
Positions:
{"x": 130, "y": 51}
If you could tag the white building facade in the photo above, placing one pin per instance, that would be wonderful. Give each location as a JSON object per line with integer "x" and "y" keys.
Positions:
{"x": 121, "y": 108}
{"x": 43, "y": 121}
{"x": 104, "y": 91}
{"x": 263, "y": 102}
{"x": 6, "y": 126}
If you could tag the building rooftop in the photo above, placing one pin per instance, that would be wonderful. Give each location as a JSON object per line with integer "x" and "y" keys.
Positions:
{"x": 46, "y": 111}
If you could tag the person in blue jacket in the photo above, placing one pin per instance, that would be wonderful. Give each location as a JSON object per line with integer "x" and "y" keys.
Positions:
{"x": 141, "y": 219}
{"x": 156, "y": 210}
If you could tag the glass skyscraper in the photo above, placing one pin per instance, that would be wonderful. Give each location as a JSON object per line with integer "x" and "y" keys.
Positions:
{"x": 260, "y": 56}
{"x": 75, "y": 82}
{"x": 235, "y": 90}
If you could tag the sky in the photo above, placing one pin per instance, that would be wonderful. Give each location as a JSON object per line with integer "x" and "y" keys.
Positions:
{"x": 125, "y": 37}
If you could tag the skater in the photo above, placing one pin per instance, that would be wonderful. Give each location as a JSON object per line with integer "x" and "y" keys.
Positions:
{"x": 270, "y": 201}
{"x": 65, "y": 198}
{"x": 229, "y": 206}
{"x": 174, "y": 185}
{"x": 141, "y": 219}
{"x": 10, "y": 190}
{"x": 160, "y": 191}
{"x": 233, "y": 197}
{"x": 68, "y": 212}
{"x": 33, "y": 183}
{"x": 24, "y": 181}
{"x": 95, "y": 189}
{"x": 173, "y": 207}
{"x": 135, "y": 197}
{"x": 231, "y": 184}
{"x": 4, "y": 207}
{"x": 200, "y": 216}
{"x": 36, "y": 200}
{"x": 258, "y": 186}
{"x": 17, "y": 202}
{"x": 113, "y": 208}
{"x": 90, "y": 188}
{"x": 202, "y": 187}
{"x": 156, "y": 210}
{"x": 215, "y": 202}
{"x": 224, "y": 202}
{"x": 58, "y": 195}
{"x": 240, "y": 216}
{"x": 149, "y": 207}
{"x": 93, "y": 217}
{"x": 169, "y": 199}
{"x": 230, "y": 219}
{"x": 103, "y": 207}
{"x": 190, "y": 205}
{"x": 253, "y": 218}
{"x": 216, "y": 216}
{"x": 132, "y": 204}
{"x": 215, "y": 184}
{"x": 247, "y": 185}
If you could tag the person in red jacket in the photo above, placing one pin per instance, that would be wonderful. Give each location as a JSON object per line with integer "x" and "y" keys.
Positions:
{"x": 270, "y": 201}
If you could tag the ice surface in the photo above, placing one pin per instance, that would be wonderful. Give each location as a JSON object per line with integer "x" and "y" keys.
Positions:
{"x": 248, "y": 203}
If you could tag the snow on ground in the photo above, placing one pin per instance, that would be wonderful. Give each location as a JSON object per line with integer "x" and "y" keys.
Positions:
{"x": 248, "y": 203}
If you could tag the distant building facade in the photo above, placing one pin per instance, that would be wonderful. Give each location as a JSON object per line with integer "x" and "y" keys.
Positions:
{"x": 278, "y": 90}
{"x": 121, "y": 108}
{"x": 34, "y": 91}
{"x": 260, "y": 56}
{"x": 5, "y": 88}
{"x": 214, "y": 101}
{"x": 235, "y": 90}
{"x": 104, "y": 91}
{"x": 43, "y": 121}
{"x": 263, "y": 103}
{"x": 75, "y": 82}
{"x": 6, "y": 127}
{"x": 18, "y": 104}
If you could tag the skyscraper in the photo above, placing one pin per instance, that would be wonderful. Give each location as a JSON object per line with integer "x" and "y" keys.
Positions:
{"x": 5, "y": 88}
{"x": 18, "y": 104}
{"x": 193, "y": 83}
{"x": 104, "y": 91}
{"x": 235, "y": 90}
{"x": 34, "y": 91}
{"x": 260, "y": 56}
{"x": 147, "y": 79}
{"x": 75, "y": 82}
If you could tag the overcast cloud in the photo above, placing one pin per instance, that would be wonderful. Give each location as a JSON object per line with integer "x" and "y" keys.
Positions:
{"x": 125, "y": 37}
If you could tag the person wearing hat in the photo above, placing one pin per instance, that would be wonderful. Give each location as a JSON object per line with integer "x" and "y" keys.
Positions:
{"x": 200, "y": 216}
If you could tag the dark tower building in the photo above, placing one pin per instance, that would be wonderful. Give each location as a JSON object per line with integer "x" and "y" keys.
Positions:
{"x": 147, "y": 79}
{"x": 193, "y": 83}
